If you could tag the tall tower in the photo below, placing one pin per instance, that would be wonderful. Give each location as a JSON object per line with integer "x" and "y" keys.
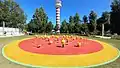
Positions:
{"x": 58, "y": 6}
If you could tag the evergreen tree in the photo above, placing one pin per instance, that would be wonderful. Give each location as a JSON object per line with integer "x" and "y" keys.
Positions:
{"x": 76, "y": 18}
{"x": 92, "y": 20}
{"x": 76, "y": 23}
{"x": 85, "y": 19}
{"x": 32, "y": 26}
{"x": 49, "y": 27}
{"x": 64, "y": 27}
{"x": 71, "y": 24}
{"x": 115, "y": 16}
{"x": 40, "y": 20}
{"x": 77, "y": 28}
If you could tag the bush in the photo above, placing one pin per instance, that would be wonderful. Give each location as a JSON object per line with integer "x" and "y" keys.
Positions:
{"x": 116, "y": 37}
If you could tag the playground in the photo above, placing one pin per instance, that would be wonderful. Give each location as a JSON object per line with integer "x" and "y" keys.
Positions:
{"x": 59, "y": 34}
{"x": 61, "y": 51}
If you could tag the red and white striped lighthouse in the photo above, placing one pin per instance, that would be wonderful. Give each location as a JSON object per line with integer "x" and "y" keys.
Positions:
{"x": 58, "y": 6}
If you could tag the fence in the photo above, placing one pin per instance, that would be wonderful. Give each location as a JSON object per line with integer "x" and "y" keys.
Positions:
{"x": 9, "y": 31}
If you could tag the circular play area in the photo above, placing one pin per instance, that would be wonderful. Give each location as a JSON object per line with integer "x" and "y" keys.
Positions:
{"x": 60, "y": 51}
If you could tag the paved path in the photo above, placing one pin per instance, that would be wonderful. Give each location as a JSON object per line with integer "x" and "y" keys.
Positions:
{"x": 10, "y": 36}
{"x": 4, "y": 63}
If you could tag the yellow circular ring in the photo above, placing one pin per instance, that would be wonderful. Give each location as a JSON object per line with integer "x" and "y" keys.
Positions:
{"x": 13, "y": 52}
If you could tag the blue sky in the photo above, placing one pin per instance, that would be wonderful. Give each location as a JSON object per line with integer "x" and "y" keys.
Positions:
{"x": 69, "y": 7}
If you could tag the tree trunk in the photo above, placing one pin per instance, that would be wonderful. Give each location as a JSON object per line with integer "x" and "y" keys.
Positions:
{"x": 102, "y": 29}
{"x": 95, "y": 25}
{"x": 3, "y": 27}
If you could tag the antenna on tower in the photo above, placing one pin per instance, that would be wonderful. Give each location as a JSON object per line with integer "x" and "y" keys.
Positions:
{"x": 58, "y": 3}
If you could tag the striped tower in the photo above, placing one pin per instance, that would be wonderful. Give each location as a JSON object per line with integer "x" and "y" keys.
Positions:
{"x": 58, "y": 6}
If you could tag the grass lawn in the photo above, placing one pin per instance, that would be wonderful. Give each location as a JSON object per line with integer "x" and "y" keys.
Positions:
{"x": 4, "y": 63}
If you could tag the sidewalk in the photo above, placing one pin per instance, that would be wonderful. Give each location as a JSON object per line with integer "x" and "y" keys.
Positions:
{"x": 103, "y": 37}
{"x": 11, "y": 35}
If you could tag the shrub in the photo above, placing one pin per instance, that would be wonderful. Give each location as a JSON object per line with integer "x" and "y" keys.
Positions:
{"x": 116, "y": 37}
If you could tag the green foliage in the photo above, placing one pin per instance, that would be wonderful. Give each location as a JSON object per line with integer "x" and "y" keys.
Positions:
{"x": 76, "y": 18}
{"x": 71, "y": 27}
{"x": 115, "y": 16}
{"x": 77, "y": 28}
{"x": 32, "y": 26}
{"x": 64, "y": 27}
{"x": 71, "y": 24}
{"x": 11, "y": 14}
{"x": 116, "y": 37}
{"x": 85, "y": 19}
{"x": 49, "y": 27}
{"x": 55, "y": 28}
{"x": 74, "y": 24}
{"x": 92, "y": 20}
{"x": 41, "y": 19}
{"x": 104, "y": 19}
{"x": 84, "y": 28}
{"x": 71, "y": 19}
{"x": 115, "y": 6}
{"x": 39, "y": 23}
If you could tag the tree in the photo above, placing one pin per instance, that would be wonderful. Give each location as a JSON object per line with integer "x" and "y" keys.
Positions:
{"x": 39, "y": 23}
{"x": 85, "y": 19}
{"x": 71, "y": 24}
{"x": 92, "y": 20}
{"x": 76, "y": 23}
{"x": 104, "y": 20}
{"x": 64, "y": 27}
{"x": 84, "y": 28}
{"x": 115, "y": 16}
{"x": 49, "y": 27}
{"x": 71, "y": 19}
{"x": 76, "y": 18}
{"x": 40, "y": 19}
{"x": 77, "y": 28}
{"x": 4, "y": 10}
{"x": 12, "y": 14}
{"x": 32, "y": 26}
{"x": 55, "y": 28}
{"x": 85, "y": 25}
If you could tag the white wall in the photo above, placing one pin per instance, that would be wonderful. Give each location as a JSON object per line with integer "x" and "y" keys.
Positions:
{"x": 10, "y": 31}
